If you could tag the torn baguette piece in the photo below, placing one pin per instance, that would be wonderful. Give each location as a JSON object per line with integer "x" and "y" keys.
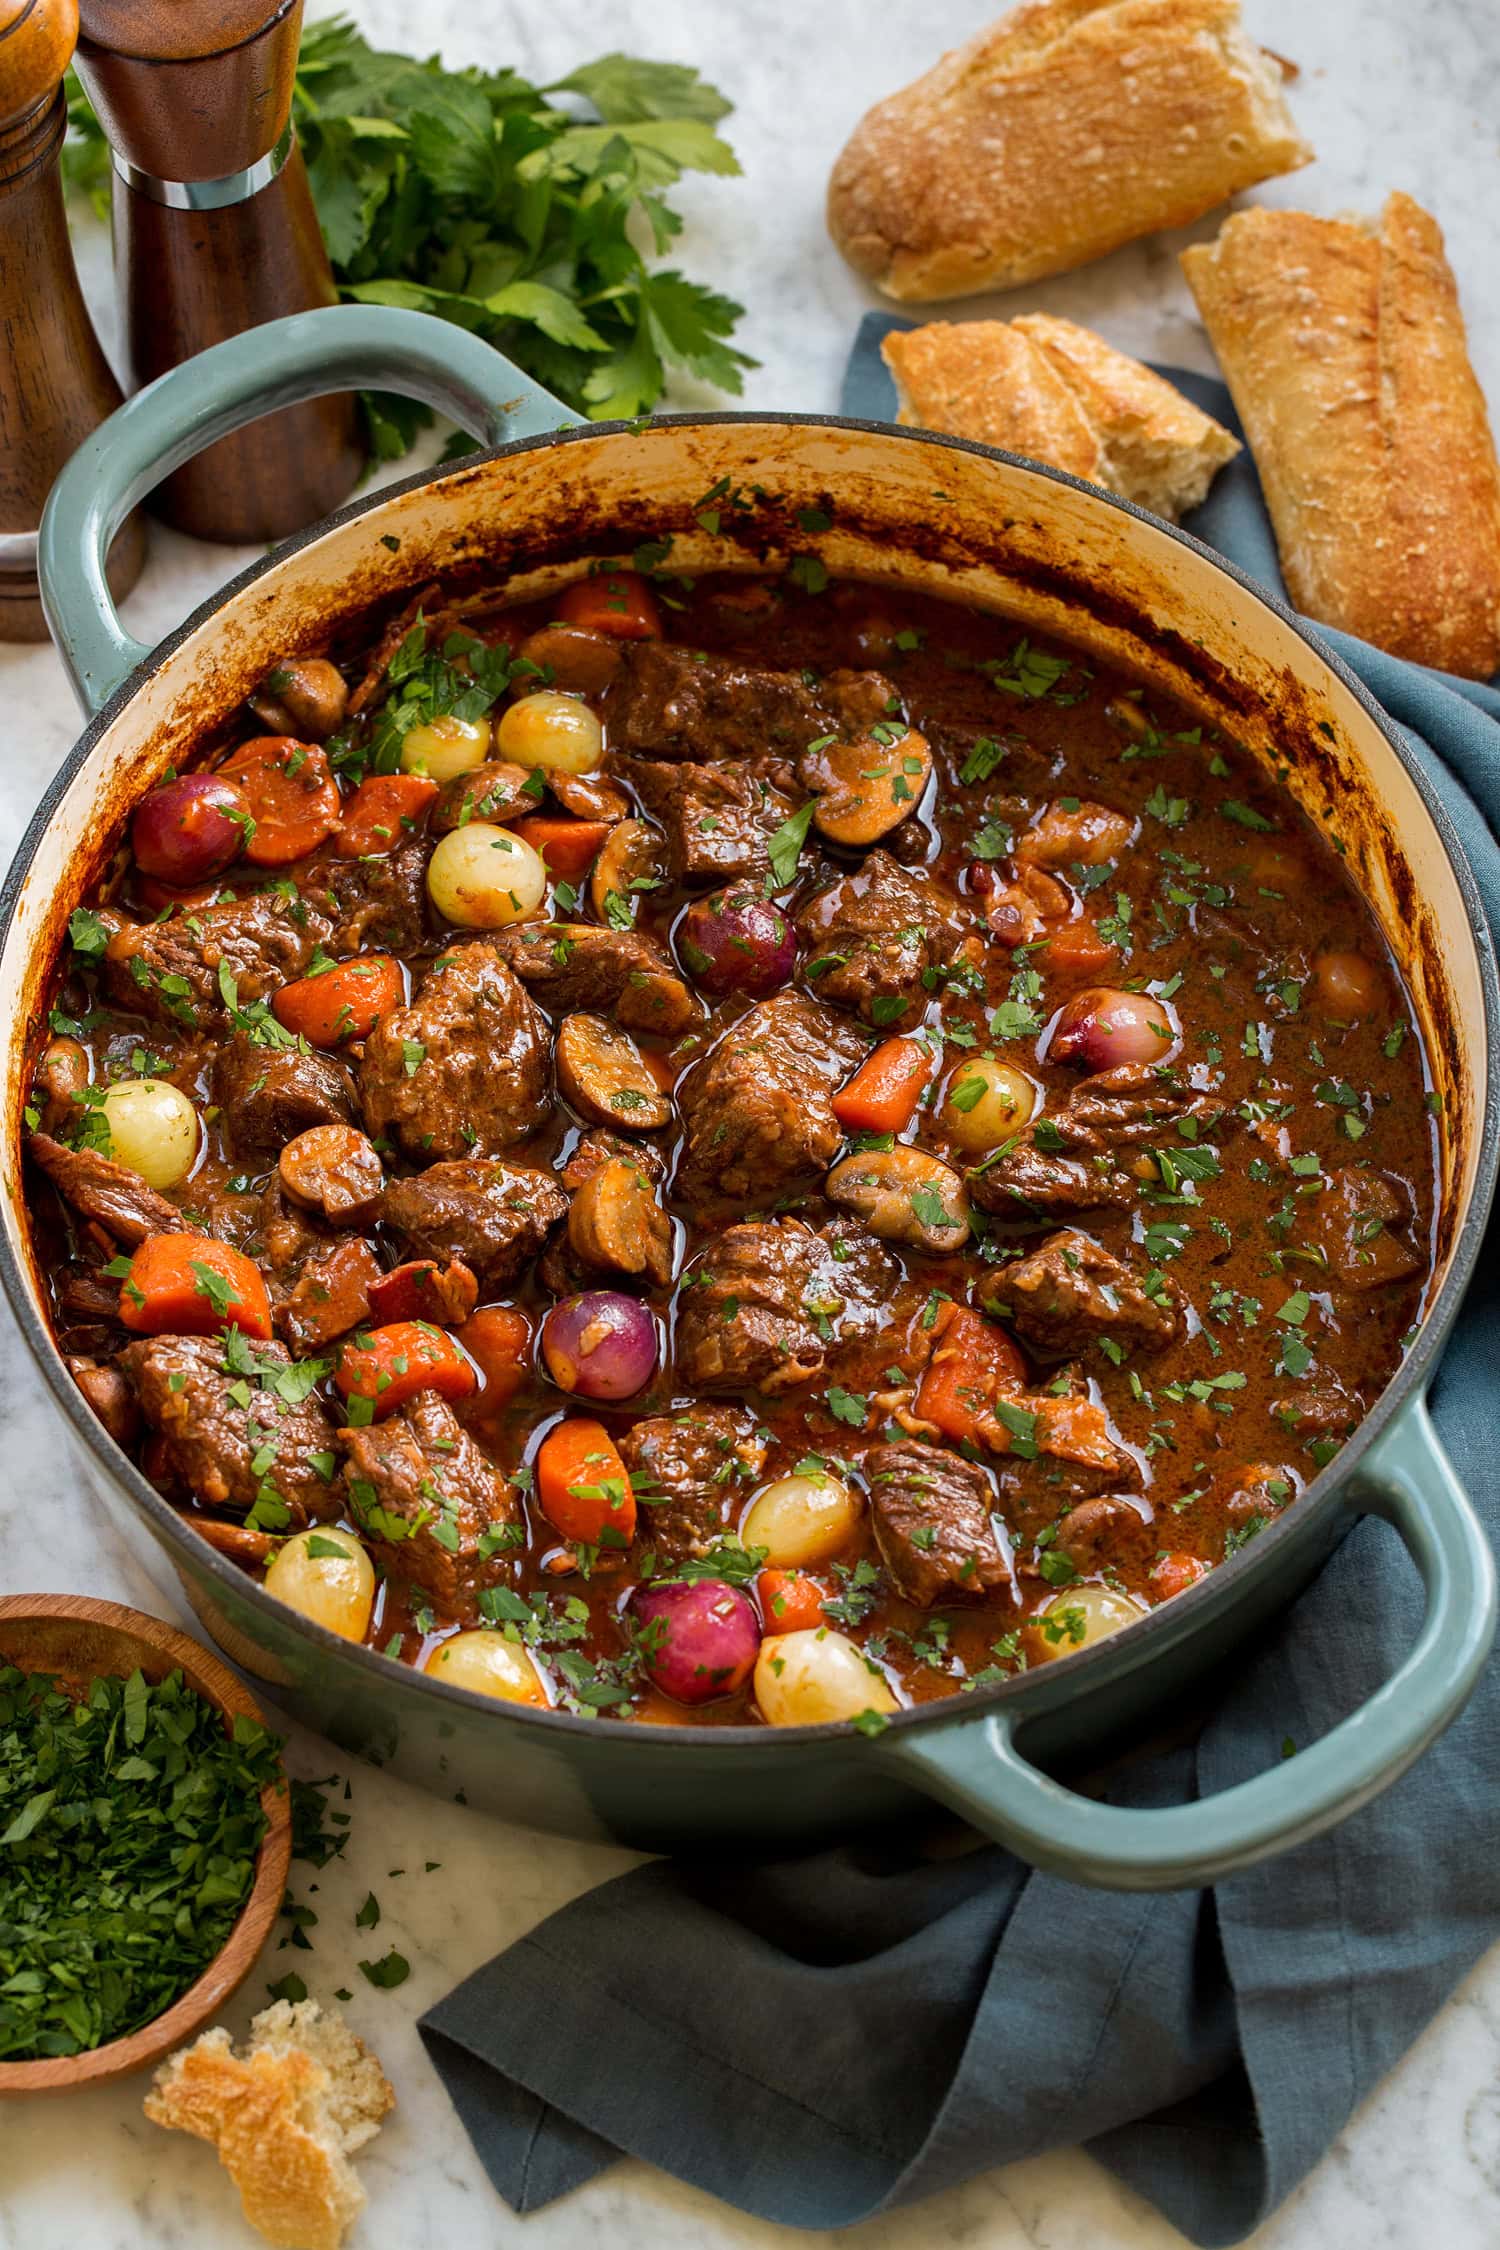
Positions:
{"x": 1055, "y": 392}
{"x": 285, "y": 2117}
{"x": 1344, "y": 350}
{"x": 1065, "y": 129}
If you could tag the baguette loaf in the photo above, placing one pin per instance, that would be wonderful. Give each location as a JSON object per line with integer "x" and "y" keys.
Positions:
{"x": 1065, "y": 129}
{"x": 1343, "y": 347}
{"x": 1058, "y": 393}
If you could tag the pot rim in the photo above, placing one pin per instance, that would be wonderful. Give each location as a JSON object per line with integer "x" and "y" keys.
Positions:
{"x": 1132, "y": 1649}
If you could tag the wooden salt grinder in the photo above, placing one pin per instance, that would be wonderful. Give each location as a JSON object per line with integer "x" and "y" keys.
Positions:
{"x": 215, "y": 232}
{"x": 55, "y": 382}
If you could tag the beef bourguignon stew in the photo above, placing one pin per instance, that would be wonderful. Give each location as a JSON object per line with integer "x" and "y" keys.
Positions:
{"x": 749, "y": 1149}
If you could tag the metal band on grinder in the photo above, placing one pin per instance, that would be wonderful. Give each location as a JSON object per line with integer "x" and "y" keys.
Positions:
{"x": 207, "y": 195}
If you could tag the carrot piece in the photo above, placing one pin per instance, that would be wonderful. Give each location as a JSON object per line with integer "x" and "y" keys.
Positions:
{"x": 341, "y": 1003}
{"x": 424, "y": 1290}
{"x": 613, "y": 601}
{"x": 882, "y": 1095}
{"x": 971, "y": 1360}
{"x": 1173, "y": 1575}
{"x": 387, "y": 1366}
{"x": 582, "y": 1487}
{"x": 498, "y": 1338}
{"x": 382, "y": 812}
{"x": 293, "y": 798}
{"x": 1077, "y": 949}
{"x": 190, "y": 1285}
{"x": 791, "y": 1601}
{"x": 569, "y": 847}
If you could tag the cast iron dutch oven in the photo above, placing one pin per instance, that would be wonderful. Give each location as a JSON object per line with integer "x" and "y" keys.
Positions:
{"x": 913, "y": 511}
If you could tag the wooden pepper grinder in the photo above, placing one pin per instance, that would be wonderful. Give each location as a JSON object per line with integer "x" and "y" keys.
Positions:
{"x": 55, "y": 382}
{"x": 215, "y": 232}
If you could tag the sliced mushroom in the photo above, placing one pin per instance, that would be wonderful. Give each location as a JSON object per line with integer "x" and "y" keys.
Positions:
{"x": 603, "y": 1073}
{"x": 1075, "y": 832}
{"x": 629, "y": 862}
{"x": 589, "y": 796}
{"x": 569, "y": 657}
{"x": 616, "y": 1222}
{"x": 302, "y": 695}
{"x": 333, "y": 1170}
{"x": 62, "y": 1076}
{"x": 241, "y": 1543}
{"x": 866, "y": 787}
{"x": 493, "y": 791}
{"x": 110, "y": 1396}
{"x": 903, "y": 1195}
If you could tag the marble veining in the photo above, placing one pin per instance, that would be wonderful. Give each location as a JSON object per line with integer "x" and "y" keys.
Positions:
{"x": 1392, "y": 96}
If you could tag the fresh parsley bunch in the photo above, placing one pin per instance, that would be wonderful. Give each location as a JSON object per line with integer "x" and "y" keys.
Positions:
{"x": 514, "y": 210}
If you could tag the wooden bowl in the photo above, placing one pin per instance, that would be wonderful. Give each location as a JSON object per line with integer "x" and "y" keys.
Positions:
{"x": 79, "y": 1640}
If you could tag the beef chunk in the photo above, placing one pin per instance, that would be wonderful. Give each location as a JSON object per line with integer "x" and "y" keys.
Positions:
{"x": 1132, "y": 1106}
{"x": 1071, "y": 1159}
{"x": 171, "y": 970}
{"x": 1060, "y": 1453}
{"x": 1106, "y": 1534}
{"x": 1359, "y": 1217}
{"x": 430, "y": 1502}
{"x": 271, "y": 1457}
{"x": 1026, "y": 1178}
{"x": 99, "y": 1189}
{"x": 576, "y": 968}
{"x": 757, "y": 1111}
{"x": 1069, "y": 1291}
{"x": 495, "y": 1217}
{"x": 329, "y": 1294}
{"x": 933, "y": 1517}
{"x": 872, "y": 935}
{"x": 268, "y": 1095}
{"x": 688, "y": 1473}
{"x": 463, "y": 1069}
{"x": 717, "y": 821}
{"x": 675, "y": 703}
{"x": 772, "y": 1304}
{"x": 110, "y": 1397}
{"x": 379, "y": 904}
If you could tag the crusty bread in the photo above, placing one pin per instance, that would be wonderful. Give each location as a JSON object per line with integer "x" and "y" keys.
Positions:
{"x": 1065, "y": 129}
{"x": 1343, "y": 346}
{"x": 285, "y": 2117}
{"x": 1058, "y": 393}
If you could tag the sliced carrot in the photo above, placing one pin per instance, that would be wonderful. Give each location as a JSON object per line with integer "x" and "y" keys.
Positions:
{"x": 293, "y": 798}
{"x": 971, "y": 1361}
{"x": 190, "y": 1285}
{"x": 382, "y": 813}
{"x": 1173, "y": 1574}
{"x": 882, "y": 1095}
{"x": 613, "y": 601}
{"x": 499, "y": 1339}
{"x": 424, "y": 1290}
{"x": 569, "y": 847}
{"x": 387, "y": 1366}
{"x": 791, "y": 1602}
{"x": 341, "y": 1003}
{"x": 582, "y": 1487}
{"x": 1078, "y": 949}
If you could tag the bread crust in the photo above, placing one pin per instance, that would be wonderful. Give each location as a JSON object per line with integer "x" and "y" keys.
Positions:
{"x": 1344, "y": 350}
{"x": 1066, "y": 128}
{"x": 1055, "y": 392}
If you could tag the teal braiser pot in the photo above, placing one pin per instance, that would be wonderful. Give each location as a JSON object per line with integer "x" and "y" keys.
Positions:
{"x": 907, "y": 510}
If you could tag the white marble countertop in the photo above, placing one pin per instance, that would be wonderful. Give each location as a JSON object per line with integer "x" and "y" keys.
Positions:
{"x": 1390, "y": 95}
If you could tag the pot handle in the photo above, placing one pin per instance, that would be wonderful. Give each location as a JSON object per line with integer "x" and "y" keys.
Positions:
{"x": 977, "y": 1768}
{"x": 281, "y": 363}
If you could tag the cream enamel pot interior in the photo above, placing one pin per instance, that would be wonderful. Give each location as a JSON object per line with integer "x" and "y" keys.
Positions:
{"x": 908, "y": 510}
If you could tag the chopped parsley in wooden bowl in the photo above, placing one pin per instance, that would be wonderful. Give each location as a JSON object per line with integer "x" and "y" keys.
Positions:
{"x": 145, "y": 1832}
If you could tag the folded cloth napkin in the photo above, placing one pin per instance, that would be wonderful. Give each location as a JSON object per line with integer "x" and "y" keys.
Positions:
{"x": 823, "y": 2039}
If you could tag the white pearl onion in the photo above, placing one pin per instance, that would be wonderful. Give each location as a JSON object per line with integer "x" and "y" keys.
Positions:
{"x": 488, "y": 1664}
{"x": 336, "y": 1590}
{"x": 801, "y": 1519}
{"x": 808, "y": 1679}
{"x": 482, "y": 877}
{"x": 153, "y": 1128}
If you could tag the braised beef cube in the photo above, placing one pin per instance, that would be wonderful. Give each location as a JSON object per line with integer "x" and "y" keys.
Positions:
{"x": 239, "y": 1425}
{"x": 870, "y": 938}
{"x": 1134, "y": 1105}
{"x": 1109, "y": 1534}
{"x": 757, "y": 1112}
{"x": 1052, "y": 1449}
{"x": 1025, "y": 1179}
{"x": 576, "y": 968}
{"x": 433, "y": 1507}
{"x": 493, "y": 1216}
{"x": 717, "y": 821}
{"x": 678, "y": 703}
{"x": 464, "y": 1069}
{"x": 105, "y": 1192}
{"x": 110, "y": 1397}
{"x": 771, "y": 1304}
{"x": 1069, "y": 1292}
{"x": 1361, "y": 1217}
{"x": 266, "y": 1096}
{"x": 175, "y": 971}
{"x": 933, "y": 1515}
{"x": 377, "y": 904}
{"x": 689, "y": 1474}
{"x": 328, "y": 1295}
